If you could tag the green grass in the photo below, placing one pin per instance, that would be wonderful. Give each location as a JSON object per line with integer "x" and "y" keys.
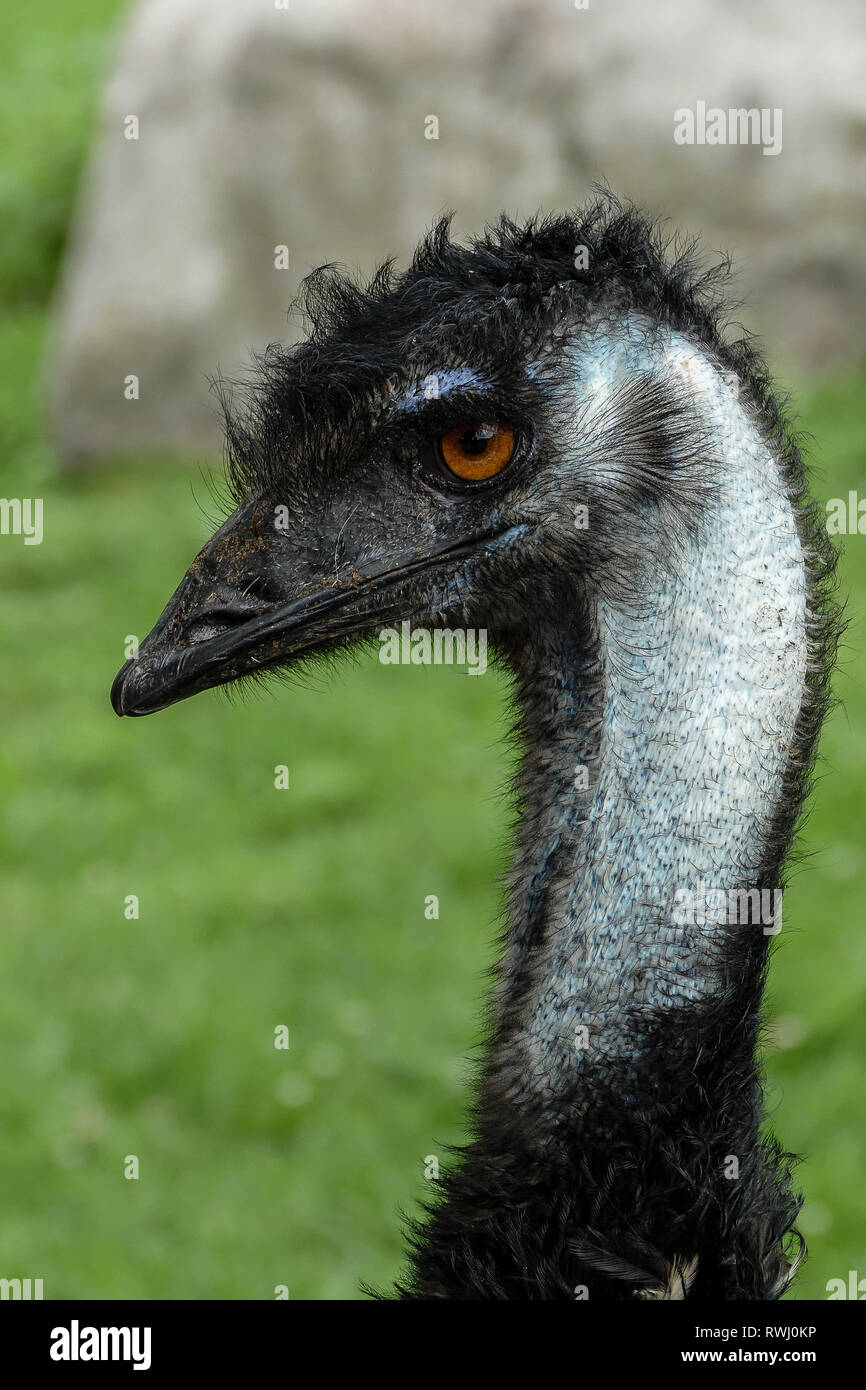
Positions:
{"x": 260, "y": 907}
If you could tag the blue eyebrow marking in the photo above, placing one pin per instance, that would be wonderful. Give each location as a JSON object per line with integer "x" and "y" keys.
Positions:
{"x": 436, "y": 386}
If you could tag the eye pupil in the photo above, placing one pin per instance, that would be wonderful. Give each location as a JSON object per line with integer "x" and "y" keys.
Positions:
{"x": 476, "y": 440}
{"x": 477, "y": 452}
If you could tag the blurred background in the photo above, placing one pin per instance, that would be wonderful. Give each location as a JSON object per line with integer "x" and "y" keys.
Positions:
{"x": 169, "y": 170}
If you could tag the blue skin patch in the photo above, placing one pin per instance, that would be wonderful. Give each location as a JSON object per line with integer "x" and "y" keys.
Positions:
{"x": 438, "y": 386}
{"x": 455, "y": 381}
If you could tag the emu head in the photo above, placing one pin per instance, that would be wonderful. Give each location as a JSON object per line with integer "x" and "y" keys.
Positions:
{"x": 431, "y": 453}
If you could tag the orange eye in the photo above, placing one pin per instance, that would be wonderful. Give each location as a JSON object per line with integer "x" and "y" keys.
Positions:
{"x": 476, "y": 452}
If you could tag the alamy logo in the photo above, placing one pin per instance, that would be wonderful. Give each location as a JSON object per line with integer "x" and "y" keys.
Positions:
{"x": 855, "y": 1288}
{"x": 22, "y": 516}
{"x": 702, "y": 905}
{"x": 444, "y": 646}
{"x": 737, "y": 126}
{"x": 76, "y": 1343}
{"x": 21, "y": 1288}
{"x": 846, "y": 518}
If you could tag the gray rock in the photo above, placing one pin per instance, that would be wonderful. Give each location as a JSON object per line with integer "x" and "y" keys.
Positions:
{"x": 306, "y": 127}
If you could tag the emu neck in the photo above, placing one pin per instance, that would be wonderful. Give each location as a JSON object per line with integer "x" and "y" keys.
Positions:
{"x": 658, "y": 731}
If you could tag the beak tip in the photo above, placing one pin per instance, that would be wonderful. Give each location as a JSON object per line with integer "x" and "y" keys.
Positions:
{"x": 116, "y": 696}
{"x": 137, "y": 690}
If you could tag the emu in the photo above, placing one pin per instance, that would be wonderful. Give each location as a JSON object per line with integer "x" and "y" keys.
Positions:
{"x": 575, "y": 454}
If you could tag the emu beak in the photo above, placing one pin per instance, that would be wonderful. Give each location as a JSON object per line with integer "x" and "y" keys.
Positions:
{"x": 238, "y": 610}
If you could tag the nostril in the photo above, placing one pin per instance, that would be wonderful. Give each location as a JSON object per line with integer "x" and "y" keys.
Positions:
{"x": 223, "y": 609}
{"x": 209, "y": 625}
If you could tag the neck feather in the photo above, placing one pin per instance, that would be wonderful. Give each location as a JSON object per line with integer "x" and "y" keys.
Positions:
{"x": 658, "y": 729}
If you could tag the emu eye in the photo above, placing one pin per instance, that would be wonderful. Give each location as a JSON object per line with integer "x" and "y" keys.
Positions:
{"x": 476, "y": 452}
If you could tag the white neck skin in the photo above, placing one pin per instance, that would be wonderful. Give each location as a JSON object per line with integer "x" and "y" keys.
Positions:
{"x": 685, "y": 724}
